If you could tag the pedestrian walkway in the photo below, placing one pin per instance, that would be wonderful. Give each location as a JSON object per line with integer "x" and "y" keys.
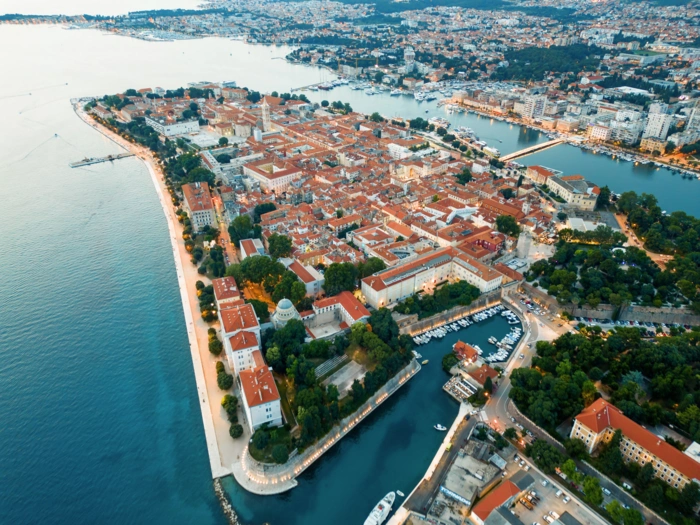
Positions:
{"x": 329, "y": 365}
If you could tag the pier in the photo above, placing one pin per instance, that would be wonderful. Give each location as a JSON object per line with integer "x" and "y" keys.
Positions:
{"x": 98, "y": 160}
{"x": 531, "y": 149}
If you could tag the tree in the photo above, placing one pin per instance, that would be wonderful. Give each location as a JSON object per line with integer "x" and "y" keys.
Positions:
{"x": 689, "y": 498}
{"x": 562, "y": 216}
{"x": 508, "y": 225}
{"x": 223, "y": 379}
{"x": 261, "y": 438}
{"x": 488, "y": 385}
{"x": 230, "y": 404}
{"x": 576, "y": 448}
{"x": 546, "y": 456}
{"x": 324, "y": 103}
{"x": 279, "y": 245}
{"x": 261, "y": 209}
{"x": 592, "y": 490}
{"x": 370, "y": 267}
{"x": 603, "y": 200}
{"x": 507, "y": 193}
{"x": 616, "y": 511}
{"x": 279, "y": 454}
{"x": 240, "y": 228}
{"x": 261, "y": 310}
{"x": 511, "y": 433}
{"x": 215, "y": 346}
{"x": 339, "y": 277}
{"x": 448, "y": 361}
{"x": 376, "y": 117}
{"x": 223, "y": 141}
{"x": 235, "y": 431}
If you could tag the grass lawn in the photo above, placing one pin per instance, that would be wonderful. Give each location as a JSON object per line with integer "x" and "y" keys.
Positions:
{"x": 281, "y": 383}
{"x": 359, "y": 355}
{"x": 278, "y": 435}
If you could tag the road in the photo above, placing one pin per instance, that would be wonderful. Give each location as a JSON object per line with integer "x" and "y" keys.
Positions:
{"x": 224, "y": 239}
{"x": 497, "y": 409}
{"x": 633, "y": 240}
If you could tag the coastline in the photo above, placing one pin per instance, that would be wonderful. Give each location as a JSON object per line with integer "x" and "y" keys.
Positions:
{"x": 215, "y": 460}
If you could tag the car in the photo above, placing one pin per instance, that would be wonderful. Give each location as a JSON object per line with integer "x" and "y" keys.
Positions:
{"x": 606, "y": 492}
{"x": 554, "y": 514}
{"x": 559, "y": 493}
{"x": 548, "y": 518}
{"x": 544, "y": 482}
{"x": 566, "y": 499}
{"x": 522, "y": 356}
{"x": 512, "y": 419}
{"x": 527, "y": 467}
{"x": 522, "y": 464}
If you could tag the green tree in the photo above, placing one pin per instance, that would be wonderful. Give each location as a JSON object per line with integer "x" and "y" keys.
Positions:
{"x": 370, "y": 267}
{"x": 240, "y": 228}
{"x": 261, "y": 209}
{"x": 279, "y": 245}
{"x": 223, "y": 141}
{"x": 448, "y": 361}
{"x": 280, "y": 454}
{"x": 339, "y": 277}
{"x": 215, "y": 346}
{"x": 376, "y": 117}
{"x": 488, "y": 386}
{"x": 592, "y": 491}
{"x": 508, "y": 225}
{"x": 235, "y": 431}
{"x": 511, "y": 433}
{"x": 261, "y": 438}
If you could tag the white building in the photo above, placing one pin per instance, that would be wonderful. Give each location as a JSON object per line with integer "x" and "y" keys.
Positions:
{"x": 658, "y": 125}
{"x": 424, "y": 273}
{"x": 599, "y": 133}
{"x": 240, "y": 331}
{"x": 534, "y": 106}
{"x": 261, "y": 399}
{"x": 198, "y": 205}
{"x": 251, "y": 247}
{"x": 312, "y": 279}
{"x": 170, "y": 128}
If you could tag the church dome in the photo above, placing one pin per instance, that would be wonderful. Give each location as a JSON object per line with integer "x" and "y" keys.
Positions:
{"x": 284, "y": 312}
{"x": 285, "y": 304}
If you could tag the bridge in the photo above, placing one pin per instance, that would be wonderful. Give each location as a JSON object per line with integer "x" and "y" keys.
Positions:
{"x": 531, "y": 149}
{"x": 108, "y": 158}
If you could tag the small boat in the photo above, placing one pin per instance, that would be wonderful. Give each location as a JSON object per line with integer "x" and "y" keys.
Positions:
{"x": 425, "y": 362}
{"x": 398, "y": 492}
{"x": 440, "y": 427}
{"x": 381, "y": 510}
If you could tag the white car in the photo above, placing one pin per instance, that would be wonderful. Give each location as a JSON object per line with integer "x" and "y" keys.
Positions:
{"x": 567, "y": 499}
{"x": 544, "y": 482}
{"x": 522, "y": 356}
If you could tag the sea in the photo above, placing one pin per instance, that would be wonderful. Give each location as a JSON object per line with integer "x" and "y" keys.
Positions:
{"x": 100, "y": 419}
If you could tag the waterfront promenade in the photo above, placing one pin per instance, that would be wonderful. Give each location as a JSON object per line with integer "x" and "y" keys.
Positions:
{"x": 223, "y": 450}
{"x": 265, "y": 479}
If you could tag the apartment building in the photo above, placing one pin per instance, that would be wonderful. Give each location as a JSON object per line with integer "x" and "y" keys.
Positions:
{"x": 198, "y": 205}
{"x": 598, "y": 423}
{"x": 261, "y": 399}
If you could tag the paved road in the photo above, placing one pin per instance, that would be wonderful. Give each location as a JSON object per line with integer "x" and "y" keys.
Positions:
{"x": 423, "y": 496}
{"x": 230, "y": 249}
{"x": 499, "y": 415}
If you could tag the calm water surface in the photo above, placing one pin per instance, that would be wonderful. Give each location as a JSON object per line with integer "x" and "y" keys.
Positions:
{"x": 100, "y": 421}
{"x": 90, "y": 7}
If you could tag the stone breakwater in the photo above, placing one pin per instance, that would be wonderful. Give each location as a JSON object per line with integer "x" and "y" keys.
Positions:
{"x": 226, "y": 507}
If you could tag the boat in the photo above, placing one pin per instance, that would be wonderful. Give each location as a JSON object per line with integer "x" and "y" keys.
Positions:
{"x": 395, "y": 93}
{"x": 440, "y": 427}
{"x": 425, "y": 362}
{"x": 398, "y": 492}
{"x": 381, "y": 510}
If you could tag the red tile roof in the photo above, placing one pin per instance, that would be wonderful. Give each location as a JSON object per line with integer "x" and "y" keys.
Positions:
{"x": 482, "y": 373}
{"x": 601, "y": 415}
{"x": 238, "y": 317}
{"x": 225, "y": 288}
{"x": 465, "y": 351}
{"x": 301, "y": 272}
{"x": 197, "y": 196}
{"x": 348, "y": 301}
{"x": 494, "y": 499}
{"x": 243, "y": 340}
{"x": 258, "y": 386}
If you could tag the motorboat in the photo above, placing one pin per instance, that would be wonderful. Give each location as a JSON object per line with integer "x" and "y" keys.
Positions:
{"x": 440, "y": 427}
{"x": 399, "y": 493}
{"x": 381, "y": 510}
{"x": 425, "y": 362}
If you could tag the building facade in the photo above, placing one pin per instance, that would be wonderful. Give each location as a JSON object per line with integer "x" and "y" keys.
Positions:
{"x": 198, "y": 205}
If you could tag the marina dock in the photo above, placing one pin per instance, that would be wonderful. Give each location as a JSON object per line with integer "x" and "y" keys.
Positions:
{"x": 98, "y": 160}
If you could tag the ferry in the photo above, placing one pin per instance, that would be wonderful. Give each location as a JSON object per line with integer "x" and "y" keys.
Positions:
{"x": 382, "y": 510}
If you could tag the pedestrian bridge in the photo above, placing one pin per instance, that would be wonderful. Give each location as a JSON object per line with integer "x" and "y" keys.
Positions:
{"x": 531, "y": 149}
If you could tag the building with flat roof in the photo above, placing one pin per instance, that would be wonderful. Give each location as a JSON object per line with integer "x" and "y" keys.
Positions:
{"x": 198, "y": 205}
{"x": 598, "y": 423}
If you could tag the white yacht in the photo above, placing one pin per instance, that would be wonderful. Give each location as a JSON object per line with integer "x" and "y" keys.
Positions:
{"x": 381, "y": 511}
